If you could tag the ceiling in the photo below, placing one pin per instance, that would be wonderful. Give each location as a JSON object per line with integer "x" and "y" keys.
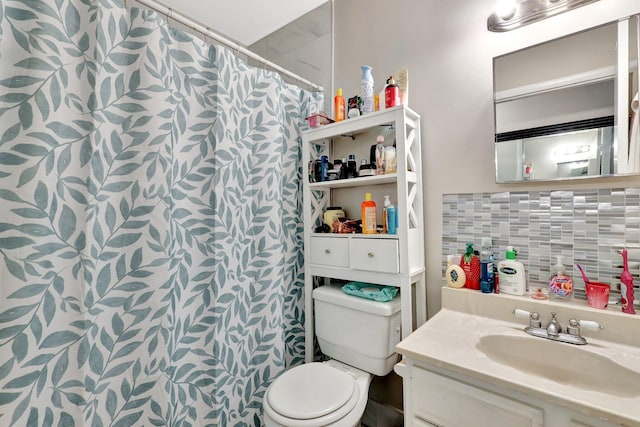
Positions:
{"x": 245, "y": 21}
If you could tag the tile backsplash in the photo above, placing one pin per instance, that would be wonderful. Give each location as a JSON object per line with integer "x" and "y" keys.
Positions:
{"x": 588, "y": 227}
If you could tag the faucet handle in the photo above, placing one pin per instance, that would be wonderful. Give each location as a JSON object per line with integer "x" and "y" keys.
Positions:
{"x": 534, "y": 318}
{"x": 587, "y": 324}
{"x": 521, "y": 314}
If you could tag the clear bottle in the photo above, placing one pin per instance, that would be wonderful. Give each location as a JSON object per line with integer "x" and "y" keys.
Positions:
{"x": 380, "y": 155}
{"x": 366, "y": 85}
{"x": 338, "y": 104}
{"x": 560, "y": 284}
{"x": 369, "y": 215}
{"x": 390, "y": 160}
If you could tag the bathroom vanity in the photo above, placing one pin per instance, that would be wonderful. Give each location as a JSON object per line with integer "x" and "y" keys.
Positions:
{"x": 472, "y": 364}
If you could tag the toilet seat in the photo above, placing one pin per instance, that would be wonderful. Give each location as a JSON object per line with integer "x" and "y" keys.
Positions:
{"x": 313, "y": 394}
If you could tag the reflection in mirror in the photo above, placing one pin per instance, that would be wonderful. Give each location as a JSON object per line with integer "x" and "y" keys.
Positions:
{"x": 556, "y": 106}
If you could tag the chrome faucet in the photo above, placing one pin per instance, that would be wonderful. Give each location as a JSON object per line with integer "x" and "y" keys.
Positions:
{"x": 553, "y": 327}
{"x": 553, "y": 331}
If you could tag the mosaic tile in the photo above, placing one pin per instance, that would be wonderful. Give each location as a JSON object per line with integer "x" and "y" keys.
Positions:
{"x": 582, "y": 226}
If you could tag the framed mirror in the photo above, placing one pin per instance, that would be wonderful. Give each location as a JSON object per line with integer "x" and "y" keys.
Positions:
{"x": 562, "y": 107}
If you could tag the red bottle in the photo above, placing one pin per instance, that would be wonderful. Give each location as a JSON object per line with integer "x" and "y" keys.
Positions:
{"x": 391, "y": 93}
{"x": 470, "y": 264}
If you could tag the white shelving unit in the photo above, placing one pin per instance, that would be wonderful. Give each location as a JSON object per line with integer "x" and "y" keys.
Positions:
{"x": 394, "y": 260}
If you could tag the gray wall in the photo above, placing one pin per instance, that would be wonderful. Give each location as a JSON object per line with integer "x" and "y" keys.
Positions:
{"x": 449, "y": 52}
{"x": 304, "y": 47}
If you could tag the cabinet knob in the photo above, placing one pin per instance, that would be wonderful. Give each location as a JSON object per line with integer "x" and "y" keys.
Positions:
{"x": 370, "y": 254}
{"x": 327, "y": 251}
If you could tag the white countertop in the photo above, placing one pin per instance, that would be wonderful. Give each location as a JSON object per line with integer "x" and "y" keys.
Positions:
{"x": 448, "y": 340}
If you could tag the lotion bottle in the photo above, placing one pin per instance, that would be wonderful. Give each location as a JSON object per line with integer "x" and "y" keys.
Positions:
{"x": 369, "y": 215}
{"x": 511, "y": 274}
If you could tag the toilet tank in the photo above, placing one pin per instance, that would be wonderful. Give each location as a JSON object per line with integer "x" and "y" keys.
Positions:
{"x": 357, "y": 331}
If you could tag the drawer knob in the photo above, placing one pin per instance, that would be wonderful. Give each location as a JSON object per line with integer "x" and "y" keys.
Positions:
{"x": 370, "y": 254}
{"x": 327, "y": 251}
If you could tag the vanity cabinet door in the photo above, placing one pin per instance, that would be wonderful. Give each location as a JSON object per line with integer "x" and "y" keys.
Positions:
{"x": 444, "y": 402}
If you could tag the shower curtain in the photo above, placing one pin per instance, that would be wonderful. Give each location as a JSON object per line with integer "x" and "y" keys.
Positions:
{"x": 150, "y": 222}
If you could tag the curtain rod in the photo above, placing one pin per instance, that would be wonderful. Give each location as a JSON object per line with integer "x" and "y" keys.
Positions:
{"x": 209, "y": 33}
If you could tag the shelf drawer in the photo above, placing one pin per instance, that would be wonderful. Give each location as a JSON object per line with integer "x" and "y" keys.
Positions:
{"x": 329, "y": 251}
{"x": 379, "y": 255}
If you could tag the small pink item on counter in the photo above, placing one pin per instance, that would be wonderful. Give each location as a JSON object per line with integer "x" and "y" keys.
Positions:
{"x": 598, "y": 294}
{"x": 626, "y": 292}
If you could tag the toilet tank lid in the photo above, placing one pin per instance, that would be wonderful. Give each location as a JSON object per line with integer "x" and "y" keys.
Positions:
{"x": 333, "y": 294}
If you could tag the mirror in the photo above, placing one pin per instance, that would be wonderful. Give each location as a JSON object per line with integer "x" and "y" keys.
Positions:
{"x": 561, "y": 107}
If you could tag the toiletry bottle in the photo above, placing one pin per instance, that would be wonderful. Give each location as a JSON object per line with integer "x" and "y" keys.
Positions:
{"x": 511, "y": 274}
{"x": 380, "y": 155}
{"x": 390, "y": 160}
{"x": 470, "y": 264}
{"x": 626, "y": 290}
{"x": 560, "y": 284}
{"x": 338, "y": 104}
{"x": 324, "y": 168}
{"x": 389, "y": 217}
{"x": 352, "y": 167}
{"x": 391, "y": 93}
{"x": 369, "y": 215}
{"x": 343, "y": 169}
{"x": 486, "y": 267}
{"x": 366, "y": 85}
{"x": 381, "y": 98}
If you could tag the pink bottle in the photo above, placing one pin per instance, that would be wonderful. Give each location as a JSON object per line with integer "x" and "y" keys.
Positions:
{"x": 627, "y": 284}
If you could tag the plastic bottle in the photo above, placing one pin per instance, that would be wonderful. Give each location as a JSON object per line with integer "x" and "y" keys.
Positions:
{"x": 352, "y": 167}
{"x": 626, "y": 288}
{"x": 389, "y": 217}
{"x": 511, "y": 274}
{"x": 324, "y": 171}
{"x": 486, "y": 267}
{"x": 380, "y": 155}
{"x": 344, "y": 174}
{"x": 391, "y": 93}
{"x": 390, "y": 160}
{"x": 381, "y": 100}
{"x": 338, "y": 104}
{"x": 369, "y": 215}
{"x": 470, "y": 264}
{"x": 560, "y": 284}
{"x": 366, "y": 85}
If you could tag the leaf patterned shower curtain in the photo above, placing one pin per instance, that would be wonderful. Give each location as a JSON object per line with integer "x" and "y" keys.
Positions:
{"x": 150, "y": 222}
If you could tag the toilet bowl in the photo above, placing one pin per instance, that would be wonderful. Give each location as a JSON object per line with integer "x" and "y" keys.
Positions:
{"x": 317, "y": 394}
{"x": 359, "y": 337}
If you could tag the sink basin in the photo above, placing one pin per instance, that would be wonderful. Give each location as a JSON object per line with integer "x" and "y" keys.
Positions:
{"x": 562, "y": 363}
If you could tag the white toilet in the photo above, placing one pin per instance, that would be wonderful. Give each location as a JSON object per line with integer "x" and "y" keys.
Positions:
{"x": 360, "y": 336}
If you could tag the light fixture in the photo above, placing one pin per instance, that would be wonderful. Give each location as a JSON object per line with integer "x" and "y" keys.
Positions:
{"x": 511, "y": 14}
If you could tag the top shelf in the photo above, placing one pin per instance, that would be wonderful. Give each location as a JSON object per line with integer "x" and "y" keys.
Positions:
{"x": 359, "y": 124}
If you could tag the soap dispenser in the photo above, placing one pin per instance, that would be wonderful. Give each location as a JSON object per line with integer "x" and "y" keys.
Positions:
{"x": 470, "y": 264}
{"x": 560, "y": 284}
{"x": 511, "y": 274}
